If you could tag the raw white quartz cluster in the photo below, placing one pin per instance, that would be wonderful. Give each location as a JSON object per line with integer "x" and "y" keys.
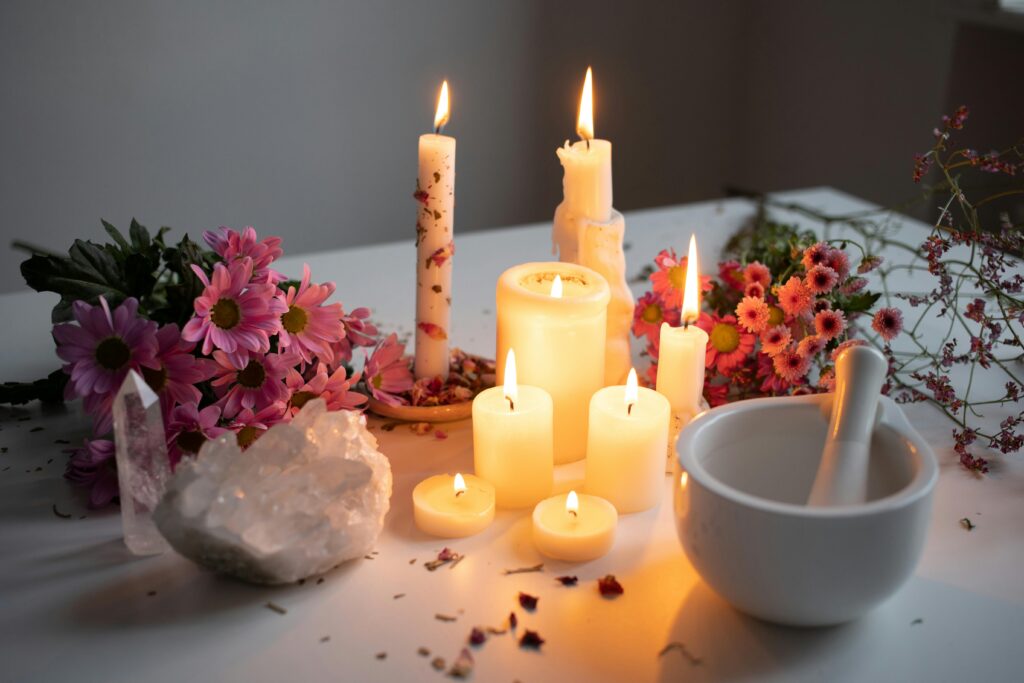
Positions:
{"x": 305, "y": 497}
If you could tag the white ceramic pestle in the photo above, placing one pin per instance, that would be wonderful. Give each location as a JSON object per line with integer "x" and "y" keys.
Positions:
{"x": 842, "y": 477}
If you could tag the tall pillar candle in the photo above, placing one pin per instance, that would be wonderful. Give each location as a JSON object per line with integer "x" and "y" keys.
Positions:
{"x": 435, "y": 246}
{"x": 559, "y": 341}
{"x": 588, "y": 231}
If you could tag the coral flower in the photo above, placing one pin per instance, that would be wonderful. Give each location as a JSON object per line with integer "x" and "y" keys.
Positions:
{"x": 888, "y": 322}
{"x": 816, "y": 255}
{"x": 716, "y": 394}
{"x": 255, "y": 385}
{"x": 794, "y": 298}
{"x": 791, "y": 365}
{"x": 821, "y": 279}
{"x": 177, "y": 371}
{"x": 104, "y": 345}
{"x": 249, "y": 426}
{"x": 774, "y": 339}
{"x": 827, "y": 379}
{"x": 669, "y": 279}
{"x": 234, "y": 315}
{"x": 838, "y": 261}
{"x": 333, "y": 387}
{"x": 811, "y": 346}
{"x": 728, "y": 345}
{"x": 308, "y": 327}
{"x": 93, "y": 466}
{"x": 387, "y": 371}
{"x": 233, "y": 246}
{"x": 648, "y": 315}
{"x": 755, "y": 290}
{"x": 771, "y": 383}
{"x": 753, "y": 314}
{"x": 731, "y": 273}
{"x": 757, "y": 273}
{"x": 189, "y": 428}
{"x": 829, "y": 324}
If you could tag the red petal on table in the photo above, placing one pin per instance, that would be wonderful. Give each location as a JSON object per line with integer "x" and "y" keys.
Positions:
{"x": 609, "y": 586}
{"x": 440, "y": 434}
{"x": 433, "y": 331}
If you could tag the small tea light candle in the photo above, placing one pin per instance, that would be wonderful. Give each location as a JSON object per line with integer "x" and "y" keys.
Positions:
{"x": 626, "y": 446}
{"x": 452, "y": 507}
{"x": 513, "y": 442}
{"x": 574, "y": 528}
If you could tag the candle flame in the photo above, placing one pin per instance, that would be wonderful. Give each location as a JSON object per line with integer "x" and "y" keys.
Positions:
{"x": 632, "y": 394}
{"x": 691, "y": 290}
{"x": 441, "y": 117}
{"x": 572, "y": 504}
{"x": 459, "y": 485}
{"x": 585, "y": 121}
{"x": 556, "y": 288}
{"x": 511, "y": 387}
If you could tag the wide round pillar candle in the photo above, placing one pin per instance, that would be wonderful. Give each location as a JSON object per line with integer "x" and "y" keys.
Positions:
{"x": 453, "y": 506}
{"x": 574, "y": 528}
{"x": 513, "y": 440}
{"x": 629, "y": 428}
{"x": 559, "y": 341}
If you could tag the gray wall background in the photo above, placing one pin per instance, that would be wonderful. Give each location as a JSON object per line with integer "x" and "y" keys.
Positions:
{"x": 301, "y": 117}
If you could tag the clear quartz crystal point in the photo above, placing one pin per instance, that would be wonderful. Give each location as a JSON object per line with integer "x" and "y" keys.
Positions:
{"x": 142, "y": 464}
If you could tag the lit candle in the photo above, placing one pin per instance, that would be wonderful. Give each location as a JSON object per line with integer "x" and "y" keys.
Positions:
{"x": 553, "y": 315}
{"x": 588, "y": 231}
{"x": 513, "y": 440}
{"x": 626, "y": 448}
{"x": 682, "y": 349}
{"x": 435, "y": 246}
{"x": 574, "y": 528}
{"x": 452, "y": 507}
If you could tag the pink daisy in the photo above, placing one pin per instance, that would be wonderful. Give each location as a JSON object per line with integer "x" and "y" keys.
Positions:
{"x": 791, "y": 365}
{"x": 387, "y": 372}
{"x": 728, "y": 345}
{"x": 93, "y": 466}
{"x": 648, "y": 315}
{"x": 845, "y": 345}
{"x": 757, "y": 273}
{"x": 255, "y": 385}
{"x": 669, "y": 279}
{"x": 888, "y": 322}
{"x": 821, "y": 279}
{"x": 811, "y": 346}
{"x": 829, "y": 324}
{"x": 234, "y": 315}
{"x": 189, "y": 428}
{"x": 334, "y": 388}
{"x": 249, "y": 426}
{"x": 815, "y": 255}
{"x": 104, "y": 345}
{"x": 794, "y": 298}
{"x": 838, "y": 261}
{"x": 357, "y": 331}
{"x": 755, "y": 290}
{"x": 774, "y": 339}
{"x": 233, "y": 246}
{"x": 308, "y": 327}
{"x": 177, "y": 371}
{"x": 752, "y": 314}
{"x": 731, "y": 273}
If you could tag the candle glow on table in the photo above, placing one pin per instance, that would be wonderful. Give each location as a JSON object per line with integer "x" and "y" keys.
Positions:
{"x": 574, "y": 528}
{"x": 629, "y": 427}
{"x": 435, "y": 246}
{"x": 513, "y": 440}
{"x": 452, "y": 507}
{"x": 559, "y": 340}
{"x": 683, "y": 349}
{"x": 588, "y": 231}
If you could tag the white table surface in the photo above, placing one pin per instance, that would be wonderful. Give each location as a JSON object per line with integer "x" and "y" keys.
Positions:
{"x": 74, "y": 605}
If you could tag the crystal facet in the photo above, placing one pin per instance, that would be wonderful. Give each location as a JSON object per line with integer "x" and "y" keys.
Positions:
{"x": 307, "y": 496}
{"x": 142, "y": 464}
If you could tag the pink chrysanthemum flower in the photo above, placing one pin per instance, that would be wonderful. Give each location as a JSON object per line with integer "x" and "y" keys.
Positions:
{"x": 177, "y": 371}
{"x": 387, "y": 372}
{"x": 888, "y": 322}
{"x": 716, "y": 394}
{"x": 757, "y": 273}
{"x": 791, "y": 365}
{"x": 255, "y": 385}
{"x": 752, "y": 314}
{"x": 669, "y": 279}
{"x": 845, "y": 345}
{"x": 827, "y": 379}
{"x": 728, "y": 345}
{"x": 755, "y": 290}
{"x": 333, "y": 387}
{"x": 853, "y": 285}
{"x": 104, "y": 345}
{"x": 869, "y": 263}
{"x": 821, "y": 279}
{"x": 94, "y": 467}
{"x": 838, "y": 261}
{"x": 810, "y": 346}
{"x": 358, "y": 331}
{"x": 794, "y": 297}
{"x": 648, "y": 315}
{"x": 233, "y": 246}
{"x": 829, "y": 324}
{"x": 308, "y": 326}
{"x": 233, "y": 314}
{"x": 189, "y": 428}
{"x": 771, "y": 383}
{"x": 774, "y": 339}
{"x": 731, "y": 274}
{"x": 815, "y": 255}
{"x": 249, "y": 426}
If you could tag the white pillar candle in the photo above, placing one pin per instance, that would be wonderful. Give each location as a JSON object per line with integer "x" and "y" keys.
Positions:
{"x": 682, "y": 350}
{"x": 559, "y": 341}
{"x": 588, "y": 231}
{"x": 513, "y": 440}
{"x": 453, "y": 507}
{"x": 435, "y": 245}
{"x": 574, "y": 528}
{"x": 626, "y": 448}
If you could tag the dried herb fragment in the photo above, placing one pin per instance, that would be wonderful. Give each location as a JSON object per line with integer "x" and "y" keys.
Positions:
{"x": 477, "y": 636}
{"x": 423, "y": 652}
{"x": 412, "y": 561}
{"x": 967, "y": 524}
{"x": 437, "y": 289}
{"x": 497, "y": 631}
{"x": 513, "y": 620}
{"x": 462, "y": 667}
{"x": 150, "y": 594}
{"x": 444, "y": 557}
{"x": 531, "y": 639}
{"x": 389, "y": 426}
{"x": 681, "y": 648}
{"x": 324, "y": 639}
{"x": 60, "y": 441}
{"x": 369, "y": 557}
{"x": 381, "y": 655}
{"x": 274, "y": 607}
{"x": 320, "y": 580}
{"x": 444, "y": 617}
{"x": 917, "y": 621}
{"x": 419, "y": 428}
{"x": 567, "y": 580}
{"x": 527, "y": 601}
{"x": 437, "y": 663}
{"x": 398, "y": 596}
{"x": 62, "y": 515}
{"x": 609, "y": 586}
{"x": 37, "y": 429}
{"x": 524, "y": 570}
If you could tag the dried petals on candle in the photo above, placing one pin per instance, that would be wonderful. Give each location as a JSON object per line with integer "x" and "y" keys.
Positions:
{"x": 462, "y": 667}
{"x": 567, "y": 580}
{"x": 609, "y": 586}
{"x": 531, "y": 639}
{"x": 525, "y": 570}
{"x": 477, "y": 636}
{"x": 421, "y": 195}
{"x": 527, "y": 601}
{"x": 681, "y": 649}
{"x": 441, "y": 255}
{"x": 433, "y": 331}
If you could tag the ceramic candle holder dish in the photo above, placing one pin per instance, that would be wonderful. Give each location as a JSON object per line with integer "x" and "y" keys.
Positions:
{"x": 740, "y": 507}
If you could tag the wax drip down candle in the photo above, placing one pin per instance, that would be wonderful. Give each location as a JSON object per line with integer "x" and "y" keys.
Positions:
{"x": 435, "y": 245}
{"x": 588, "y": 231}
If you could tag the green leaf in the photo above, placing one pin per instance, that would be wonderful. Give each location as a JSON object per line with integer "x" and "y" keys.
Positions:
{"x": 48, "y": 390}
{"x": 116, "y": 235}
{"x": 88, "y": 272}
{"x": 859, "y": 303}
{"x": 139, "y": 235}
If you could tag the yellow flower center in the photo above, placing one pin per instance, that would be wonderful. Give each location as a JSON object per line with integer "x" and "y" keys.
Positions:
{"x": 300, "y": 398}
{"x": 294, "y": 320}
{"x": 252, "y": 375}
{"x": 775, "y": 316}
{"x": 246, "y": 435}
{"x": 677, "y": 276}
{"x": 112, "y": 353}
{"x": 725, "y": 338}
{"x": 651, "y": 314}
{"x": 225, "y": 314}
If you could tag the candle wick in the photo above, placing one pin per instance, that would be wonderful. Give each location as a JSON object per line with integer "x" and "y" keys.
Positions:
{"x": 686, "y": 323}
{"x": 629, "y": 409}
{"x": 588, "y": 144}
{"x": 459, "y": 493}
{"x": 573, "y": 513}
{"x": 511, "y": 404}
{"x": 437, "y": 129}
